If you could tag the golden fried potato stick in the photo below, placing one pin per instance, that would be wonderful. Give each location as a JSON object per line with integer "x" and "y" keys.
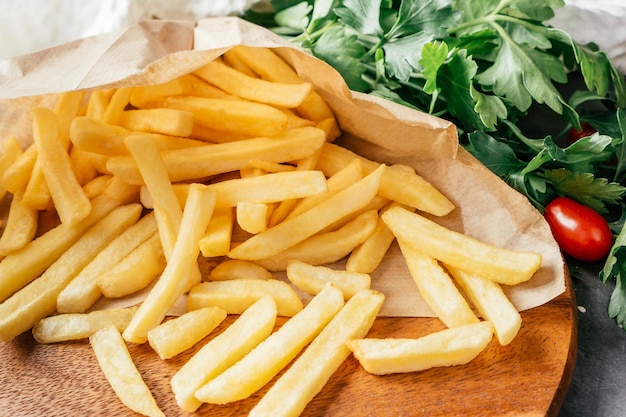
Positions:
{"x": 76, "y": 326}
{"x": 210, "y": 159}
{"x": 38, "y": 299}
{"x": 119, "y": 369}
{"x": 179, "y": 271}
{"x": 69, "y": 104}
{"x": 15, "y": 177}
{"x": 37, "y": 194}
{"x": 116, "y": 105}
{"x": 164, "y": 121}
{"x": 237, "y": 295}
{"x": 270, "y": 356}
{"x": 252, "y": 217}
{"x": 437, "y": 288}
{"x": 238, "y": 269}
{"x": 26, "y": 264}
{"x": 217, "y": 239}
{"x": 368, "y": 255}
{"x": 293, "y": 231}
{"x": 458, "y": 250}
{"x": 351, "y": 173}
{"x": 312, "y": 278}
{"x": 491, "y": 303}
{"x": 258, "y": 90}
{"x": 252, "y": 327}
{"x": 136, "y": 271}
{"x": 185, "y": 85}
{"x": 313, "y": 368}
{"x": 449, "y": 347}
{"x": 70, "y": 201}
{"x": 236, "y": 116}
{"x": 20, "y": 228}
{"x": 271, "y": 67}
{"x": 12, "y": 152}
{"x": 327, "y": 247}
{"x": 96, "y": 136}
{"x": 83, "y": 291}
{"x": 399, "y": 185}
{"x": 180, "y": 333}
{"x": 97, "y": 103}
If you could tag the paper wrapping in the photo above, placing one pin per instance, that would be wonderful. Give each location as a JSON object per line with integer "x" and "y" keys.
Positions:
{"x": 158, "y": 50}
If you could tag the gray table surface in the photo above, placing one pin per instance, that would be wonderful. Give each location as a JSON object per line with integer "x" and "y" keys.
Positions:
{"x": 598, "y": 386}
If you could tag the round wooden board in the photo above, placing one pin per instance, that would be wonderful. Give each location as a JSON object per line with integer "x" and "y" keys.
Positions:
{"x": 529, "y": 377}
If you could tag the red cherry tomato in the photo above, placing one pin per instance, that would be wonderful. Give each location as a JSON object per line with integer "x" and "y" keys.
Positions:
{"x": 574, "y": 134}
{"x": 579, "y": 230}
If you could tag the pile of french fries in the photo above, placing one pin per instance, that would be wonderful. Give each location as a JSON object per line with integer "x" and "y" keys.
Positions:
{"x": 233, "y": 164}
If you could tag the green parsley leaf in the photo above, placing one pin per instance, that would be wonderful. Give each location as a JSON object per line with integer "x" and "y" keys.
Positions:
{"x": 361, "y": 15}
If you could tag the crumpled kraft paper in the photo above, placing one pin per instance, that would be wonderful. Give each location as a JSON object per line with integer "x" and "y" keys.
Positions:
{"x": 158, "y": 50}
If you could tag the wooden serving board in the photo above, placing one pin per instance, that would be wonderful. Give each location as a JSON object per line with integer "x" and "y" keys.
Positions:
{"x": 529, "y": 377}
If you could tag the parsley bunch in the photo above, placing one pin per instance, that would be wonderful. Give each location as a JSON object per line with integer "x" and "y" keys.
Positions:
{"x": 495, "y": 69}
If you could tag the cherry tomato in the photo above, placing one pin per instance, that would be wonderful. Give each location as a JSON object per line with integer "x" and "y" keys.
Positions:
{"x": 579, "y": 230}
{"x": 574, "y": 134}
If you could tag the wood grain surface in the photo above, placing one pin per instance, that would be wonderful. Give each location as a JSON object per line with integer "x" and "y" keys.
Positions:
{"x": 529, "y": 377}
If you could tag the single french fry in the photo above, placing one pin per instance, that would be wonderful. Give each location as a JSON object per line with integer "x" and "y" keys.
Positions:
{"x": 209, "y": 134}
{"x": 20, "y": 227}
{"x": 185, "y": 85}
{"x": 491, "y": 303}
{"x": 95, "y": 136}
{"x": 327, "y": 247}
{"x": 437, "y": 288}
{"x": 458, "y": 250}
{"x": 82, "y": 164}
{"x": 178, "y": 273}
{"x": 180, "y": 333}
{"x": 70, "y": 201}
{"x": 164, "y": 121}
{"x": 216, "y": 241}
{"x": 212, "y": 159}
{"x": 26, "y": 264}
{"x": 236, "y": 295}
{"x": 348, "y": 175}
{"x": 313, "y": 368}
{"x": 98, "y": 102}
{"x": 119, "y": 369}
{"x": 37, "y": 300}
{"x": 311, "y": 278}
{"x": 238, "y": 269}
{"x": 271, "y": 67}
{"x": 37, "y": 194}
{"x": 76, "y": 326}
{"x": 293, "y": 231}
{"x": 397, "y": 184}
{"x": 270, "y": 356}
{"x": 83, "y": 291}
{"x": 254, "y": 89}
{"x": 237, "y": 116}
{"x": 252, "y": 217}
{"x": 134, "y": 272}
{"x": 69, "y": 105}
{"x": 167, "y": 211}
{"x": 12, "y": 152}
{"x": 116, "y": 105}
{"x": 449, "y": 347}
{"x": 254, "y": 325}
{"x": 368, "y": 256}
{"x": 16, "y": 176}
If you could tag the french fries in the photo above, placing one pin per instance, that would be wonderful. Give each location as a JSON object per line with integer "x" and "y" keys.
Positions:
{"x": 259, "y": 366}
{"x": 119, "y": 369}
{"x": 449, "y": 347}
{"x": 195, "y": 191}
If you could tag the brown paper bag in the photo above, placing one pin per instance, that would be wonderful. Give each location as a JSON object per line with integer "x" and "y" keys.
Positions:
{"x": 156, "y": 51}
